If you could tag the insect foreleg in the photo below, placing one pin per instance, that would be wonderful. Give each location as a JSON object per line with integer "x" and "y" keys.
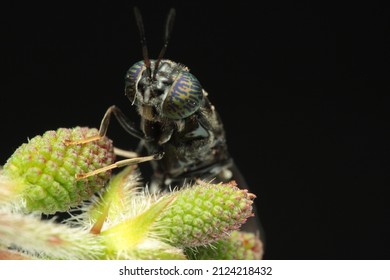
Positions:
{"x": 123, "y": 121}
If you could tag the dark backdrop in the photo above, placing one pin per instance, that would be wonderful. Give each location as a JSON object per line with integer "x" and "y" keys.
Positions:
{"x": 301, "y": 89}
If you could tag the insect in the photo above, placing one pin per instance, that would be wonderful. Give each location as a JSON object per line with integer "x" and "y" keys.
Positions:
{"x": 179, "y": 126}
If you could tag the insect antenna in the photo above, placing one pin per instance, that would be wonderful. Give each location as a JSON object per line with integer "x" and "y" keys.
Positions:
{"x": 167, "y": 35}
{"x": 140, "y": 24}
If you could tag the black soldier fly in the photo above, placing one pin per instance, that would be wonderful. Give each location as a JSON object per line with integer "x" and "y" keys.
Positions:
{"x": 179, "y": 126}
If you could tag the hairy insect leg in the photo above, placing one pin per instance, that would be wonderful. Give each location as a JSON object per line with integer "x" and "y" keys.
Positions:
{"x": 118, "y": 164}
{"x": 123, "y": 121}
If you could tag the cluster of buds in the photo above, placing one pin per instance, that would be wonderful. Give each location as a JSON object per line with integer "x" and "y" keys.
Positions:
{"x": 119, "y": 219}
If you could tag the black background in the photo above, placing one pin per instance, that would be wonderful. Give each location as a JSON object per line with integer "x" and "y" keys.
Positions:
{"x": 301, "y": 88}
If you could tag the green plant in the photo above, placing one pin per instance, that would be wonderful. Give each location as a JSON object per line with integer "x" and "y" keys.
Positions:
{"x": 116, "y": 217}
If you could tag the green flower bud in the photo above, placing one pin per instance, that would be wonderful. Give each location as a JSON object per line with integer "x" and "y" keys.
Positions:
{"x": 238, "y": 246}
{"x": 204, "y": 213}
{"x": 45, "y": 169}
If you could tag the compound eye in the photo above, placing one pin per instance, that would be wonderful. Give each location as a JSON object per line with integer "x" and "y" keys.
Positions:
{"x": 132, "y": 78}
{"x": 184, "y": 97}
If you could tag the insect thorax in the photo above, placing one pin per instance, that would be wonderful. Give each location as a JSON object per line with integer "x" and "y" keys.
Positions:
{"x": 177, "y": 119}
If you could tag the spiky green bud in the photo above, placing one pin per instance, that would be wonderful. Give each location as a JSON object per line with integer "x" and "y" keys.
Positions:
{"x": 238, "y": 246}
{"x": 45, "y": 169}
{"x": 204, "y": 213}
